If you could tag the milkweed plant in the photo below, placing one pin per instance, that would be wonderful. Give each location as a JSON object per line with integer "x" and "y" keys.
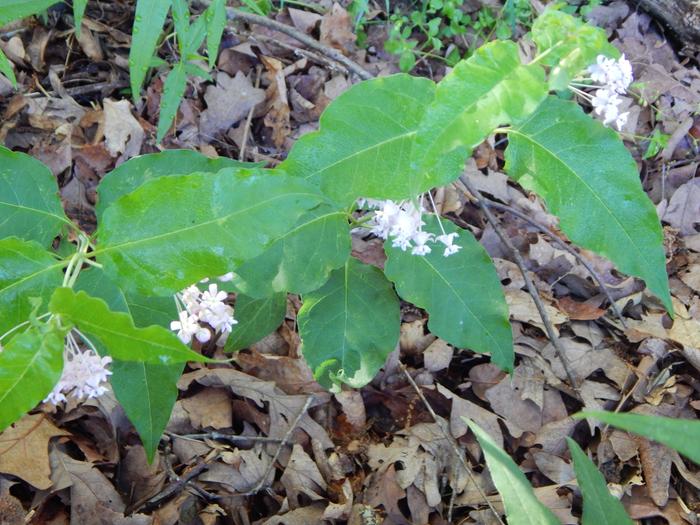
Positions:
{"x": 193, "y": 254}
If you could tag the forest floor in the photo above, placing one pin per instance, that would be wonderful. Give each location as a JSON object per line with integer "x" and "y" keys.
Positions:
{"x": 378, "y": 454}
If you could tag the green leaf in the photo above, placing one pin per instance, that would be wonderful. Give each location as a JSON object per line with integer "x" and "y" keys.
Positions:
{"x": 682, "y": 435}
{"x": 568, "y": 45}
{"x": 30, "y": 366}
{"x": 117, "y": 333}
{"x": 256, "y": 319}
{"x": 30, "y": 207}
{"x": 78, "y": 12}
{"x": 146, "y": 391}
{"x": 364, "y": 144}
{"x": 137, "y": 170}
{"x": 589, "y": 179}
{"x": 16, "y": 9}
{"x": 26, "y": 271}
{"x": 216, "y": 22}
{"x": 6, "y": 69}
{"x": 148, "y": 25}
{"x": 489, "y": 89}
{"x": 461, "y": 293}
{"x": 350, "y": 325}
{"x": 181, "y": 19}
{"x": 300, "y": 260}
{"x": 599, "y": 506}
{"x": 173, "y": 91}
{"x": 521, "y": 504}
{"x": 173, "y": 231}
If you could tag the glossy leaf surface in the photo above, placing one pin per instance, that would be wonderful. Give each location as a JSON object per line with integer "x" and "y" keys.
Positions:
{"x": 462, "y": 293}
{"x": 256, "y": 319}
{"x": 173, "y": 231}
{"x": 117, "y": 333}
{"x": 350, "y": 325}
{"x": 26, "y": 271}
{"x": 30, "y": 207}
{"x": 173, "y": 91}
{"x": 148, "y": 25}
{"x": 599, "y": 506}
{"x": 16, "y": 9}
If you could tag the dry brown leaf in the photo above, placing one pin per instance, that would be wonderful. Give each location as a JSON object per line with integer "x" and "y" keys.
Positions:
{"x": 90, "y": 44}
{"x": 123, "y": 133}
{"x": 241, "y": 469}
{"x": 291, "y": 374}
{"x": 304, "y": 21}
{"x": 554, "y": 467}
{"x": 277, "y": 114}
{"x": 353, "y": 407}
{"x": 11, "y": 510}
{"x": 522, "y": 308}
{"x": 301, "y": 476}
{"x": 483, "y": 377}
{"x": 336, "y": 29}
{"x": 465, "y": 408}
{"x": 519, "y": 415}
{"x": 302, "y": 516}
{"x": 283, "y": 408}
{"x": 210, "y": 408}
{"x": 342, "y": 509}
{"x": 683, "y": 210}
{"x": 438, "y": 356}
{"x": 24, "y": 449}
{"x": 413, "y": 339}
{"x": 139, "y": 478}
{"x": 585, "y": 360}
{"x": 581, "y": 311}
{"x": 228, "y": 102}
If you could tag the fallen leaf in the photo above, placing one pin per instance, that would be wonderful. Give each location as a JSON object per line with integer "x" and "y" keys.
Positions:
{"x": 228, "y": 102}
{"x": 353, "y": 407}
{"x": 464, "y": 408}
{"x": 336, "y": 29}
{"x": 304, "y": 21}
{"x": 522, "y": 308}
{"x": 438, "y": 356}
{"x": 277, "y": 114}
{"x": 210, "y": 408}
{"x": 123, "y": 133}
{"x": 683, "y": 210}
{"x": 24, "y": 449}
{"x": 302, "y": 477}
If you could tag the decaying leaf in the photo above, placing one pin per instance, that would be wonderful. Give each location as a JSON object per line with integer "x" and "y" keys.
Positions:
{"x": 228, "y": 102}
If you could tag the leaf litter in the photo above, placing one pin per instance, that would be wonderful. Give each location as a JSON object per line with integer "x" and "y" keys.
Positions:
{"x": 375, "y": 455}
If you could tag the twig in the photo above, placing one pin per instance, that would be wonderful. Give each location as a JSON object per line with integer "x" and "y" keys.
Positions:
{"x": 176, "y": 486}
{"x": 549, "y": 328}
{"x": 559, "y": 242}
{"x": 82, "y": 90}
{"x": 282, "y": 444}
{"x": 451, "y": 441}
{"x": 219, "y": 436}
{"x": 334, "y": 54}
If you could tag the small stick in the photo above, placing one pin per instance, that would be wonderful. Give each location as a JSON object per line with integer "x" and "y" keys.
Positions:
{"x": 333, "y": 54}
{"x": 282, "y": 444}
{"x": 246, "y": 130}
{"x": 219, "y": 436}
{"x": 173, "y": 488}
{"x": 559, "y": 242}
{"x": 450, "y": 440}
{"x": 549, "y": 328}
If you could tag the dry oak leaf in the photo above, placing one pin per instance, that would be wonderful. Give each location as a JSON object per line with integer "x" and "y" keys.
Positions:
{"x": 24, "y": 449}
{"x": 228, "y": 102}
{"x": 465, "y": 408}
{"x": 123, "y": 133}
{"x": 302, "y": 477}
{"x": 210, "y": 408}
{"x": 336, "y": 29}
{"x": 522, "y": 308}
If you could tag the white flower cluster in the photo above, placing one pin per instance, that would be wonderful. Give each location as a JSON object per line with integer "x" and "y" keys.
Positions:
{"x": 84, "y": 374}
{"x": 614, "y": 77}
{"x": 203, "y": 307}
{"x": 404, "y": 224}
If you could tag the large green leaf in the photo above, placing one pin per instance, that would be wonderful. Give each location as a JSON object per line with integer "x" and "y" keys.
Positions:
{"x": 6, "y": 69}
{"x": 489, "y": 89}
{"x": 682, "y": 435}
{"x": 146, "y": 391}
{"x": 363, "y": 147}
{"x": 16, "y": 9}
{"x": 256, "y": 319}
{"x": 26, "y": 271}
{"x": 173, "y": 231}
{"x": 116, "y": 331}
{"x": 30, "y": 366}
{"x": 301, "y": 260}
{"x": 148, "y": 25}
{"x": 350, "y": 325}
{"x": 30, "y": 207}
{"x": 462, "y": 293}
{"x": 521, "y": 504}
{"x": 599, "y": 506}
{"x": 567, "y": 44}
{"x": 134, "y": 172}
{"x": 589, "y": 179}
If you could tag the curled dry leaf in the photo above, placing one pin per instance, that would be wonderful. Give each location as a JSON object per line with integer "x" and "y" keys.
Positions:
{"x": 228, "y": 102}
{"x": 123, "y": 133}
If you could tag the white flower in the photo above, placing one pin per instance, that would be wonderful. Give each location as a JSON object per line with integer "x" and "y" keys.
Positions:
{"x": 621, "y": 120}
{"x": 611, "y": 74}
{"x": 190, "y": 299}
{"x": 448, "y": 240}
{"x": 188, "y": 326}
{"x": 84, "y": 375}
{"x": 421, "y": 239}
{"x": 227, "y": 277}
{"x": 212, "y": 296}
{"x": 219, "y": 316}
{"x": 604, "y": 101}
